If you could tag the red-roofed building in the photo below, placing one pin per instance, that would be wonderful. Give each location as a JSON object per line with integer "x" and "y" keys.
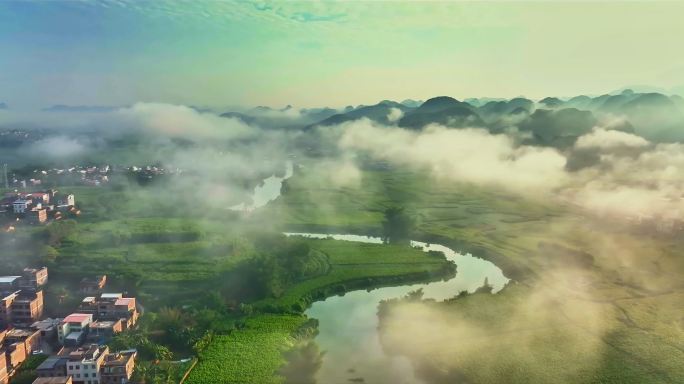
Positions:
{"x": 75, "y": 325}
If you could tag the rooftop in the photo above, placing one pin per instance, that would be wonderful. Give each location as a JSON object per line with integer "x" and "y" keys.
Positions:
{"x": 87, "y": 352}
{"x": 78, "y": 318}
{"x": 120, "y": 358}
{"x": 8, "y": 279}
{"x": 46, "y": 324}
{"x": 16, "y": 332}
{"x": 52, "y": 362}
{"x": 111, "y": 295}
{"x": 103, "y": 324}
{"x": 125, "y": 301}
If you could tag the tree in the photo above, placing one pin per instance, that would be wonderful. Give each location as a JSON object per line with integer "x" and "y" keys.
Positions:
{"x": 57, "y": 231}
{"x": 397, "y": 226}
{"x": 48, "y": 255}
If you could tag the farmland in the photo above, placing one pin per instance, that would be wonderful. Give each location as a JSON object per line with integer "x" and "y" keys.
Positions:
{"x": 248, "y": 355}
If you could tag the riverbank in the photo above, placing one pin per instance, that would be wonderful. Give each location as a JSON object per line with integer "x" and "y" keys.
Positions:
{"x": 352, "y": 266}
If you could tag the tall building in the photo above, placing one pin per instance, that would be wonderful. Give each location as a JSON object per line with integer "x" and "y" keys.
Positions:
{"x": 84, "y": 363}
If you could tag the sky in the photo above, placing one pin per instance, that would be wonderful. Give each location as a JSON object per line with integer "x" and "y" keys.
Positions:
{"x": 313, "y": 54}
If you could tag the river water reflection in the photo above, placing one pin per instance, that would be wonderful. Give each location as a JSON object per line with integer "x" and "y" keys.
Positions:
{"x": 349, "y": 324}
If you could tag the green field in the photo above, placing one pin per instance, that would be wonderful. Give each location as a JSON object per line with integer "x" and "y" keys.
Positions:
{"x": 249, "y": 355}
{"x": 360, "y": 266}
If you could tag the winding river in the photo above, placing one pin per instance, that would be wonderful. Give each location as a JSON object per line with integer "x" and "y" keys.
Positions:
{"x": 348, "y": 325}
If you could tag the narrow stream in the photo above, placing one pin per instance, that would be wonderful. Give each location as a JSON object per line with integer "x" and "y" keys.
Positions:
{"x": 348, "y": 328}
{"x": 267, "y": 191}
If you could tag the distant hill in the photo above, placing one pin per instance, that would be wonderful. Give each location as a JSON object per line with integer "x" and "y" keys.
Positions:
{"x": 551, "y": 102}
{"x": 579, "y": 102}
{"x": 318, "y": 114}
{"x": 240, "y": 116}
{"x": 3, "y": 106}
{"x": 442, "y": 110}
{"x": 558, "y": 128}
{"x": 378, "y": 113}
{"x": 412, "y": 103}
{"x": 495, "y": 110}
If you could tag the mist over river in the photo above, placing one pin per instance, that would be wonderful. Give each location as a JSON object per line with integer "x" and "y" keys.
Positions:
{"x": 348, "y": 325}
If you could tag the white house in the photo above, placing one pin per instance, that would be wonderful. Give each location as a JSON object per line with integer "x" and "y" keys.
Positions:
{"x": 74, "y": 323}
{"x": 84, "y": 363}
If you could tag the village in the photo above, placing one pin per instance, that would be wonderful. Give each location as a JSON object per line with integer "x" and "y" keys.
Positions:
{"x": 71, "y": 349}
{"x": 80, "y": 175}
{"x": 35, "y": 207}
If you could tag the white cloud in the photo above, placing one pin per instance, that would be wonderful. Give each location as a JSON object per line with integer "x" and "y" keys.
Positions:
{"x": 609, "y": 139}
{"x": 468, "y": 155}
{"x": 56, "y": 147}
{"x": 181, "y": 121}
{"x": 394, "y": 115}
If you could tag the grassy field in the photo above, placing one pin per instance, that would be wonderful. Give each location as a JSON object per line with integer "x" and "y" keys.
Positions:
{"x": 360, "y": 266}
{"x": 249, "y": 355}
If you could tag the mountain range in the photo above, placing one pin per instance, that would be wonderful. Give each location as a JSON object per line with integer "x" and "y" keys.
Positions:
{"x": 550, "y": 121}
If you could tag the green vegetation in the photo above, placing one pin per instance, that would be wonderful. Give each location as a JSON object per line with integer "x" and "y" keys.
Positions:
{"x": 397, "y": 226}
{"x": 251, "y": 354}
{"x": 528, "y": 337}
{"x": 231, "y": 291}
{"x": 211, "y": 282}
{"x": 609, "y": 289}
{"x": 162, "y": 372}
{"x": 352, "y": 266}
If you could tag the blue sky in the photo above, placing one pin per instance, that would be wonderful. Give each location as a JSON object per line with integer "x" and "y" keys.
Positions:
{"x": 329, "y": 53}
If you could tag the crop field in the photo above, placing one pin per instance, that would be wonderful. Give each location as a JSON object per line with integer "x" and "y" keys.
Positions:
{"x": 249, "y": 355}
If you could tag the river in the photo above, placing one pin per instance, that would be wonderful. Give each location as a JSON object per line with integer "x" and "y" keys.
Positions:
{"x": 348, "y": 325}
{"x": 267, "y": 191}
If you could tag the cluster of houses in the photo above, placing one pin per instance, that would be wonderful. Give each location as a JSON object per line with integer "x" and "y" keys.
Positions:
{"x": 89, "y": 175}
{"x": 75, "y": 344}
{"x": 37, "y": 207}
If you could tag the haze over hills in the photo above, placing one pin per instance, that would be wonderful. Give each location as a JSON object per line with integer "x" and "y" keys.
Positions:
{"x": 654, "y": 116}
{"x": 81, "y": 108}
{"x": 551, "y": 121}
